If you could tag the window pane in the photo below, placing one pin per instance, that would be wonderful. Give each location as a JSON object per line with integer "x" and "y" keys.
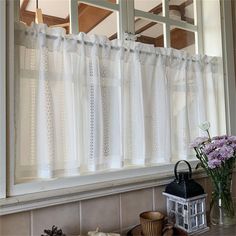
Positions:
{"x": 92, "y": 20}
{"x": 150, "y": 32}
{"x": 193, "y": 221}
{"x": 95, "y": 20}
{"x": 182, "y": 39}
{"x": 154, "y": 6}
{"x": 182, "y": 10}
{"x": 54, "y": 12}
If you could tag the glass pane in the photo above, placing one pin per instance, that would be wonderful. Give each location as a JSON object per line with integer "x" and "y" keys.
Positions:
{"x": 150, "y": 32}
{"x": 172, "y": 205}
{"x": 199, "y": 207}
{"x": 182, "y": 39}
{"x": 181, "y": 10}
{"x": 180, "y": 208}
{"x": 180, "y": 220}
{"x": 92, "y": 20}
{"x": 192, "y": 209}
{"x": 95, "y": 20}
{"x": 193, "y": 221}
{"x": 54, "y": 12}
{"x": 154, "y": 6}
{"x": 200, "y": 220}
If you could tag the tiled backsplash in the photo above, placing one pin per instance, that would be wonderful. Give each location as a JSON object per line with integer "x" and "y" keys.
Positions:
{"x": 116, "y": 213}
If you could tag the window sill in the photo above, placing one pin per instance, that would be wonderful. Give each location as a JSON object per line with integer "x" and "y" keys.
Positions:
{"x": 73, "y": 194}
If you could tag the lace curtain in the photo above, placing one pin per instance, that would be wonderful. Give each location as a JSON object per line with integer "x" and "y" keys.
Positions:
{"x": 85, "y": 104}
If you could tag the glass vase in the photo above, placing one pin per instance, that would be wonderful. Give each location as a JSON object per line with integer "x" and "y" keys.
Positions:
{"x": 222, "y": 209}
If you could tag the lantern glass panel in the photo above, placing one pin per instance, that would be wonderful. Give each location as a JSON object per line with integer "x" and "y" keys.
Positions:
{"x": 172, "y": 205}
{"x": 180, "y": 220}
{"x": 200, "y": 220}
{"x": 193, "y": 222}
{"x": 180, "y": 208}
{"x": 192, "y": 209}
{"x": 199, "y": 207}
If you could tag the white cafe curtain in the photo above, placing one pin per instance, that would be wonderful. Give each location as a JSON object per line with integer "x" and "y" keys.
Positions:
{"x": 85, "y": 104}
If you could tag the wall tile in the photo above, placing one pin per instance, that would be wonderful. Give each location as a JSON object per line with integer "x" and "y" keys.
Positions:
{"x": 15, "y": 224}
{"x": 100, "y": 212}
{"x": 133, "y": 203}
{"x": 160, "y": 199}
{"x": 65, "y": 217}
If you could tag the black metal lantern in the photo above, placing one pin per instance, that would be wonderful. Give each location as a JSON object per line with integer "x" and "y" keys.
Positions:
{"x": 186, "y": 202}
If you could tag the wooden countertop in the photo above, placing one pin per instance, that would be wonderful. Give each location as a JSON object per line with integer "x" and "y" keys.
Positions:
{"x": 214, "y": 231}
{"x": 221, "y": 231}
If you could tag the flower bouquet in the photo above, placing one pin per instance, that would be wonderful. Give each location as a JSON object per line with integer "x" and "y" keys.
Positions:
{"x": 217, "y": 157}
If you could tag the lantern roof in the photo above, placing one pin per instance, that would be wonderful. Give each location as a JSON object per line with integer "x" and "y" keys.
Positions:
{"x": 184, "y": 187}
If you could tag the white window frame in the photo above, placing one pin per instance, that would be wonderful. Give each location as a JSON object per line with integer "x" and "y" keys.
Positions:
{"x": 3, "y": 99}
{"x": 34, "y": 195}
{"x": 196, "y": 28}
{"x": 229, "y": 66}
{"x": 127, "y": 15}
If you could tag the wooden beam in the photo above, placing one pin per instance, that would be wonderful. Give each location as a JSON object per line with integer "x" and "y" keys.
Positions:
{"x": 90, "y": 16}
{"x": 23, "y": 8}
{"x": 188, "y": 19}
{"x": 182, "y": 11}
{"x": 179, "y": 39}
{"x": 82, "y": 8}
{"x": 145, "y": 27}
{"x": 24, "y": 5}
{"x": 61, "y": 25}
{"x": 29, "y": 16}
{"x": 146, "y": 39}
{"x": 186, "y": 3}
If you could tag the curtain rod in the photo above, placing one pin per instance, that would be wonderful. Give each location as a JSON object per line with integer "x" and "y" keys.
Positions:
{"x": 188, "y": 58}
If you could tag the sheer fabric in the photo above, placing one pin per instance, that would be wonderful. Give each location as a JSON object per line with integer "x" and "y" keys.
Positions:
{"x": 85, "y": 104}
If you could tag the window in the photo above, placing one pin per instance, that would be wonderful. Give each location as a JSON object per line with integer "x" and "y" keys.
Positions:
{"x": 161, "y": 23}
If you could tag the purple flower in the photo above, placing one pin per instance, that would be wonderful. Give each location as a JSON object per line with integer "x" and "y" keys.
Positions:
{"x": 233, "y": 145}
{"x": 220, "y": 137}
{"x": 232, "y": 139}
{"x": 198, "y": 141}
{"x": 219, "y": 152}
{"x": 220, "y": 142}
{"x": 214, "y": 163}
{"x": 209, "y": 148}
{"x": 226, "y": 152}
{"x": 215, "y": 154}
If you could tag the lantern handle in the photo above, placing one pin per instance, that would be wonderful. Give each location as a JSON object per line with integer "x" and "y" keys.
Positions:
{"x": 189, "y": 167}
